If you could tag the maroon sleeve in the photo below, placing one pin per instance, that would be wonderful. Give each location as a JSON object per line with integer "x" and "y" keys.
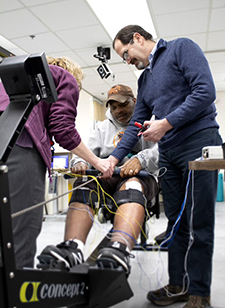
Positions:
{"x": 63, "y": 112}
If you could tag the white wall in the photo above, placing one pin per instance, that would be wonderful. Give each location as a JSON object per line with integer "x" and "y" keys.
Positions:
{"x": 220, "y": 106}
{"x": 85, "y": 116}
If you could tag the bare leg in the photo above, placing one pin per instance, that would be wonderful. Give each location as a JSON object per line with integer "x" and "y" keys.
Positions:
{"x": 78, "y": 222}
{"x": 129, "y": 219}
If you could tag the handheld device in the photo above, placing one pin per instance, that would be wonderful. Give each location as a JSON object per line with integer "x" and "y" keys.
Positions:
{"x": 142, "y": 128}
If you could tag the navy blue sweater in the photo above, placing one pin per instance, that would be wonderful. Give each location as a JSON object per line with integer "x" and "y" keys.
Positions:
{"x": 179, "y": 87}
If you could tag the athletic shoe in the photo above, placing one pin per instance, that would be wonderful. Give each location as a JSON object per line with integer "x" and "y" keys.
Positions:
{"x": 113, "y": 256}
{"x": 167, "y": 295}
{"x": 66, "y": 252}
{"x": 195, "y": 301}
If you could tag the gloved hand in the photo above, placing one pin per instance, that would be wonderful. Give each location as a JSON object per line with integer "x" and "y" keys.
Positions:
{"x": 79, "y": 168}
{"x": 130, "y": 168}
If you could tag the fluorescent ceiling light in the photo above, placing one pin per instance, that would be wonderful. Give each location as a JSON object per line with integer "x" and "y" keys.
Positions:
{"x": 121, "y": 13}
{"x": 6, "y": 43}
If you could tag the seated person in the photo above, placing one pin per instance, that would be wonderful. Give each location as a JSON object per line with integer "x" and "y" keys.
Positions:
{"x": 131, "y": 192}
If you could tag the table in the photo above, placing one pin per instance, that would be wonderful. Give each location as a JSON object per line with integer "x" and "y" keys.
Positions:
{"x": 207, "y": 164}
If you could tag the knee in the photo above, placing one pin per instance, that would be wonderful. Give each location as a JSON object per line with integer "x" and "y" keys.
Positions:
{"x": 130, "y": 192}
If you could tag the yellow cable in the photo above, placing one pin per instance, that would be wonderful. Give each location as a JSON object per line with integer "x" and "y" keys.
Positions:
{"x": 115, "y": 213}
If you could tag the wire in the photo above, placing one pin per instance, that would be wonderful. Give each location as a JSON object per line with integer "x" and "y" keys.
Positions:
{"x": 119, "y": 212}
{"x": 175, "y": 227}
{"x": 186, "y": 279}
{"x": 119, "y": 237}
{"x": 45, "y": 202}
{"x": 133, "y": 239}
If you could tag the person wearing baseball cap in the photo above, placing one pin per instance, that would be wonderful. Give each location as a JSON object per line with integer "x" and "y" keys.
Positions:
{"x": 131, "y": 203}
{"x": 121, "y": 102}
{"x": 119, "y": 93}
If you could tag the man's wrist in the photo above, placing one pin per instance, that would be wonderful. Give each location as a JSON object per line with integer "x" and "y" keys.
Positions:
{"x": 166, "y": 124}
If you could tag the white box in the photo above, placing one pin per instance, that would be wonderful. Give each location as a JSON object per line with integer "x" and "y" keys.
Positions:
{"x": 212, "y": 152}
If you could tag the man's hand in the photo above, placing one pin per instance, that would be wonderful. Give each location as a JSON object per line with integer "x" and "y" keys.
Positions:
{"x": 79, "y": 168}
{"x": 130, "y": 168}
{"x": 156, "y": 129}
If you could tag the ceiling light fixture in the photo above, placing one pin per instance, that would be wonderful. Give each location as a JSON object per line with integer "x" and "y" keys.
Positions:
{"x": 123, "y": 13}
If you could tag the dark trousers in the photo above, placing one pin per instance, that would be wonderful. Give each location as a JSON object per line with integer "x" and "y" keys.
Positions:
{"x": 27, "y": 188}
{"x": 199, "y": 262}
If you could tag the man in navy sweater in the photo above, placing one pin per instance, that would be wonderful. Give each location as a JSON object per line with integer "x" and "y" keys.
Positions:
{"x": 176, "y": 87}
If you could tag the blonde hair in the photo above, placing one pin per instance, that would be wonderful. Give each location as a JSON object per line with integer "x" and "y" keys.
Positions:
{"x": 69, "y": 65}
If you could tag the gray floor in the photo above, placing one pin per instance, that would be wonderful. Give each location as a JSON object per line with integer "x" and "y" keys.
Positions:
{"x": 149, "y": 269}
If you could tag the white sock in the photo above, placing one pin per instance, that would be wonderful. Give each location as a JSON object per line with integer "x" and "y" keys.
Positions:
{"x": 80, "y": 244}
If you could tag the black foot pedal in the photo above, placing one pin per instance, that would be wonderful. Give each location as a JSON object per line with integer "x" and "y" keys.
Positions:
{"x": 107, "y": 263}
{"x": 48, "y": 263}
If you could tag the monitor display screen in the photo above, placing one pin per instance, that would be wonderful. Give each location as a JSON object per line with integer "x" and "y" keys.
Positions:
{"x": 60, "y": 162}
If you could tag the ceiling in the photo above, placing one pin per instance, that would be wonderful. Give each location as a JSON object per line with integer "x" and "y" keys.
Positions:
{"x": 71, "y": 28}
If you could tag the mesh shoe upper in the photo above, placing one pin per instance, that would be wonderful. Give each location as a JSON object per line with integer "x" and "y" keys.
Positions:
{"x": 195, "y": 301}
{"x": 66, "y": 252}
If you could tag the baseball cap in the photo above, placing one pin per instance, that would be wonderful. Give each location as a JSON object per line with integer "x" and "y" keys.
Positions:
{"x": 119, "y": 93}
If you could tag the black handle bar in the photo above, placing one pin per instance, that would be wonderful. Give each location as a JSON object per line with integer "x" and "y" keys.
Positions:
{"x": 116, "y": 171}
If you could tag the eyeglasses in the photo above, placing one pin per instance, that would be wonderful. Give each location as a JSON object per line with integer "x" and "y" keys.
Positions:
{"x": 126, "y": 55}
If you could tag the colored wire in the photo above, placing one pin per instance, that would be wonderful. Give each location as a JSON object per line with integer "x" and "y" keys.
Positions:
{"x": 120, "y": 213}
